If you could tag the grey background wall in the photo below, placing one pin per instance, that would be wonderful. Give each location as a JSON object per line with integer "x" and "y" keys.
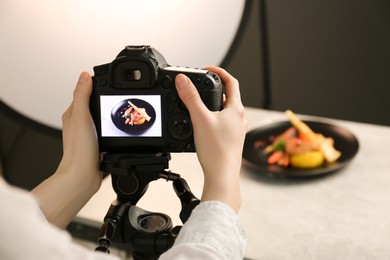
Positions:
{"x": 246, "y": 59}
{"x": 328, "y": 58}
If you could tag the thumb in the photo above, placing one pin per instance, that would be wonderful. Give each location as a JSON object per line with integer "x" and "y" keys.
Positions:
{"x": 81, "y": 95}
{"x": 189, "y": 95}
{"x": 82, "y": 92}
{"x": 83, "y": 87}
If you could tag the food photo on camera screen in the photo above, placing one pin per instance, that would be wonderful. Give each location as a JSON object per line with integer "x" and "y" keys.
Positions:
{"x": 135, "y": 105}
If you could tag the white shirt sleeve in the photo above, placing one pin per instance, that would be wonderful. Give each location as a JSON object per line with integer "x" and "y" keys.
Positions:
{"x": 26, "y": 234}
{"x": 213, "y": 231}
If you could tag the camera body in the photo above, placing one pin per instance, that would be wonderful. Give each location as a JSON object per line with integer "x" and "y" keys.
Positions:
{"x": 135, "y": 105}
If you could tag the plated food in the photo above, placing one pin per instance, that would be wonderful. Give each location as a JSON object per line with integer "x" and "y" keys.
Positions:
{"x": 299, "y": 146}
{"x": 133, "y": 116}
{"x": 315, "y": 148}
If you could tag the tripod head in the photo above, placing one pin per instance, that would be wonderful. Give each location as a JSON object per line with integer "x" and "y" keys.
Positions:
{"x": 149, "y": 234}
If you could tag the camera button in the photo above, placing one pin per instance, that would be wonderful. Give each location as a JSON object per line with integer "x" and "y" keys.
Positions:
{"x": 180, "y": 127}
{"x": 216, "y": 78}
{"x": 198, "y": 79}
{"x": 172, "y": 97}
{"x": 103, "y": 82}
{"x": 166, "y": 82}
{"x": 208, "y": 82}
{"x": 190, "y": 147}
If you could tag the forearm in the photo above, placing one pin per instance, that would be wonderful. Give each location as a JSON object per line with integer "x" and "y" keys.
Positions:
{"x": 78, "y": 177}
{"x": 224, "y": 189}
{"x": 222, "y": 176}
{"x": 62, "y": 196}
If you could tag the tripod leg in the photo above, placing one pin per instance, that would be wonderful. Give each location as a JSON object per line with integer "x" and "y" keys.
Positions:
{"x": 187, "y": 198}
{"x": 112, "y": 222}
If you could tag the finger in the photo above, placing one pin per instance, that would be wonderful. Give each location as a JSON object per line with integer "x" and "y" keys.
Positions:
{"x": 189, "y": 95}
{"x": 83, "y": 89}
{"x": 231, "y": 85}
{"x": 80, "y": 102}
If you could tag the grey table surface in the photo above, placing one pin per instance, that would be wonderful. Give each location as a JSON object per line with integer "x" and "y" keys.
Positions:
{"x": 345, "y": 215}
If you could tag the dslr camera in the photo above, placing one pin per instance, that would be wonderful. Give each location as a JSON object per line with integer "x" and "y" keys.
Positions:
{"x": 135, "y": 105}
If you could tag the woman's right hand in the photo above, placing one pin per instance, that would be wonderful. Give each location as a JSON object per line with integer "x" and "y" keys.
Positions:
{"x": 219, "y": 138}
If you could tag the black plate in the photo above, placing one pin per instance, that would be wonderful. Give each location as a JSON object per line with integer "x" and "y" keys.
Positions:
{"x": 253, "y": 157}
{"x": 120, "y": 108}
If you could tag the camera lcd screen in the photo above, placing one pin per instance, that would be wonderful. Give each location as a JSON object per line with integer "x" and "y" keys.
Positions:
{"x": 130, "y": 116}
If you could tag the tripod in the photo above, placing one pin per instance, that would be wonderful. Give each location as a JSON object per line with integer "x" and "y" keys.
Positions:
{"x": 148, "y": 234}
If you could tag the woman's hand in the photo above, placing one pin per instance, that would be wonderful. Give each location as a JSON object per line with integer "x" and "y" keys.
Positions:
{"x": 78, "y": 177}
{"x": 81, "y": 150}
{"x": 219, "y": 138}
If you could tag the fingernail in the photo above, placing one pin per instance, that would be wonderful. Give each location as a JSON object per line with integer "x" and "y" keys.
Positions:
{"x": 83, "y": 77}
{"x": 181, "y": 81}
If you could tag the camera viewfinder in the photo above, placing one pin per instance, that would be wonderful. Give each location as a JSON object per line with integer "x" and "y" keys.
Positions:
{"x": 132, "y": 75}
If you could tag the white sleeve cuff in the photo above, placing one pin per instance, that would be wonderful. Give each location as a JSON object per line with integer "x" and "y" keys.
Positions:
{"x": 215, "y": 225}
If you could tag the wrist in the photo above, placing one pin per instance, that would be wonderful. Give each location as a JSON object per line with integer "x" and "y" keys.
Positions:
{"x": 223, "y": 189}
{"x": 80, "y": 175}
{"x": 64, "y": 194}
{"x": 87, "y": 180}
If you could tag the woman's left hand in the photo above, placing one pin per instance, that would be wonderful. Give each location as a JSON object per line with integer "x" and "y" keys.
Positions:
{"x": 78, "y": 177}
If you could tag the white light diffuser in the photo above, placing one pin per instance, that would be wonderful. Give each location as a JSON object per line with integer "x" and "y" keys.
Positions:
{"x": 45, "y": 44}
